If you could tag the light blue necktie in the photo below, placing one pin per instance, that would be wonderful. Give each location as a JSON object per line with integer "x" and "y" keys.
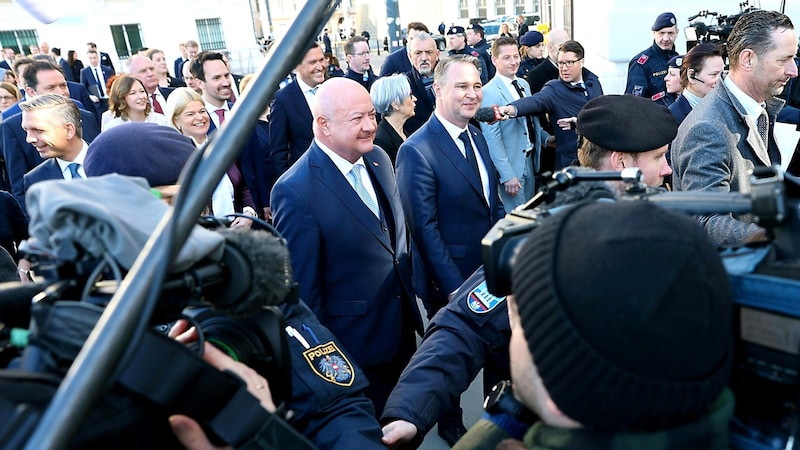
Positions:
{"x": 73, "y": 170}
{"x": 362, "y": 192}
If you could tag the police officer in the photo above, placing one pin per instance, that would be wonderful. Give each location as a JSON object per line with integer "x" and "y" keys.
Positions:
{"x": 476, "y": 37}
{"x": 647, "y": 69}
{"x": 531, "y": 48}
{"x": 457, "y": 42}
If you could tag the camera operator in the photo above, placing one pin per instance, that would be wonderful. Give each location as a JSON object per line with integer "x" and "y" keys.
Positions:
{"x": 594, "y": 351}
{"x": 332, "y": 412}
{"x": 464, "y": 337}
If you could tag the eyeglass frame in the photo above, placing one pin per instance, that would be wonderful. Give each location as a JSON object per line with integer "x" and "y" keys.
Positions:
{"x": 362, "y": 54}
{"x": 569, "y": 64}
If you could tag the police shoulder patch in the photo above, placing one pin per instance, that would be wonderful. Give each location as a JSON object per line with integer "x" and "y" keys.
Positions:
{"x": 480, "y": 301}
{"x": 642, "y": 59}
{"x": 637, "y": 90}
{"x": 330, "y": 364}
{"x": 658, "y": 96}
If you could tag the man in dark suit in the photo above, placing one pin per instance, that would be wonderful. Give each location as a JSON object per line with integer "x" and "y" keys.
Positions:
{"x": 53, "y": 127}
{"x": 340, "y": 212}
{"x": 105, "y": 59}
{"x": 398, "y": 61}
{"x": 94, "y": 77}
{"x": 448, "y": 185}
{"x": 290, "y": 117}
{"x": 424, "y": 56}
{"x": 177, "y": 67}
{"x": 41, "y": 77}
{"x": 56, "y": 53}
{"x": 143, "y": 69}
{"x": 76, "y": 90}
{"x": 8, "y": 59}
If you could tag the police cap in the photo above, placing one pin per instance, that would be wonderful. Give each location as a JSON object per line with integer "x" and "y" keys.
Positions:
{"x": 675, "y": 62}
{"x": 626, "y": 123}
{"x": 531, "y": 38}
{"x": 455, "y": 29}
{"x": 664, "y": 20}
{"x": 475, "y": 27}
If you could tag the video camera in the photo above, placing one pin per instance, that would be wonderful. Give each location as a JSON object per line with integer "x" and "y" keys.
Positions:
{"x": 699, "y": 32}
{"x": 160, "y": 377}
{"x": 765, "y": 281}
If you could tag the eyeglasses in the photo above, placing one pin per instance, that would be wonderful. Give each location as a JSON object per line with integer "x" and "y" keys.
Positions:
{"x": 7, "y": 98}
{"x": 362, "y": 54}
{"x": 568, "y": 63}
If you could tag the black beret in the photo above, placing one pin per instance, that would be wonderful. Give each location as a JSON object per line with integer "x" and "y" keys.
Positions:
{"x": 139, "y": 149}
{"x": 626, "y": 123}
{"x": 664, "y": 20}
{"x": 475, "y": 26}
{"x": 455, "y": 29}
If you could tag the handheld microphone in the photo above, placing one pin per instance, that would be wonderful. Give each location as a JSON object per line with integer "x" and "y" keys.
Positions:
{"x": 488, "y": 115}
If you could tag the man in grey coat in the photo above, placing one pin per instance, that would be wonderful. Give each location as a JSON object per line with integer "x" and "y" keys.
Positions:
{"x": 730, "y": 131}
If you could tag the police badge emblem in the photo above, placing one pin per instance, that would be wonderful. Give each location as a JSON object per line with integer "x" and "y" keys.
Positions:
{"x": 480, "y": 301}
{"x": 330, "y": 364}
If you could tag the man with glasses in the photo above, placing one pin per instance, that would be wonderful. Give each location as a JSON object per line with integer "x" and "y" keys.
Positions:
{"x": 562, "y": 99}
{"x": 356, "y": 51}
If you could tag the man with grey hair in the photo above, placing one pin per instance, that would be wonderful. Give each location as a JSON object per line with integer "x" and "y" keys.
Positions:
{"x": 399, "y": 60}
{"x": 424, "y": 56}
{"x": 52, "y": 125}
{"x": 730, "y": 132}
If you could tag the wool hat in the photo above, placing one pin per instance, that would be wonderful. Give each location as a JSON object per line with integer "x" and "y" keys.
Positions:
{"x": 626, "y": 123}
{"x": 627, "y": 310}
{"x": 675, "y": 62}
{"x": 139, "y": 149}
{"x": 455, "y": 29}
{"x": 531, "y": 38}
{"x": 664, "y": 20}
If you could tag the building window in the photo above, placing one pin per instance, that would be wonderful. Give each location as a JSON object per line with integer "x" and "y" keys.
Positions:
{"x": 463, "y": 9}
{"x": 500, "y": 7}
{"x": 127, "y": 39}
{"x": 210, "y": 33}
{"x": 519, "y": 6}
{"x": 481, "y": 8}
{"x": 19, "y": 40}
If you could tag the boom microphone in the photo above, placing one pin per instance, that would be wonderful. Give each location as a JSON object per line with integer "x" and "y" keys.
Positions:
{"x": 254, "y": 272}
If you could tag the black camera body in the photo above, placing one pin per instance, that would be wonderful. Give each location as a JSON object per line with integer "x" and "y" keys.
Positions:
{"x": 766, "y": 376}
{"x": 716, "y": 31}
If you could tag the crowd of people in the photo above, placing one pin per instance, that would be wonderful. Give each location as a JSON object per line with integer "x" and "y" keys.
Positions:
{"x": 384, "y": 185}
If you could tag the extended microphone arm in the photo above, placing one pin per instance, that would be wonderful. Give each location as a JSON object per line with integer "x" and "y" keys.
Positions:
{"x": 127, "y": 314}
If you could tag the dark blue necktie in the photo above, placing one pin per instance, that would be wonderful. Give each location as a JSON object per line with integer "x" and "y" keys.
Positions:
{"x": 469, "y": 152}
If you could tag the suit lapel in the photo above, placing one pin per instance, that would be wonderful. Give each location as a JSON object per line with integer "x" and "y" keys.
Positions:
{"x": 329, "y": 175}
{"x": 451, "y": 152}
{"x": 753, "y": 137}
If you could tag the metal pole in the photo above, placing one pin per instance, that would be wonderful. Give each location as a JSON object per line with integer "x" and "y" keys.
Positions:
{"x": 136, "y": 298}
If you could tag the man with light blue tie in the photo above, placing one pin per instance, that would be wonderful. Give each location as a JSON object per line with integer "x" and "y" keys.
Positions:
{"x": 515, "y": 144}
{"x": 52, "y": 125}
{"x": 94, "y": 78}
{"x": 340, "y": 212}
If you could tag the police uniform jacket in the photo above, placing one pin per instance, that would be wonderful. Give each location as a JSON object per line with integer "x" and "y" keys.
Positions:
{"x": 327, "y": 397}
{"x": 469, "y": 50}
{"x": 469, "y": 333}
{"x": 646, "y": 74}
{"x": 359, "y": 78}
{"x": 561, "y": 99}
{"x": 485, "y": 53}
{"x": 528, "y": 64}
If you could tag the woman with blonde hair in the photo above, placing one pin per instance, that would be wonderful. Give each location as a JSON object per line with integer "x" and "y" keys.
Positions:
{"x": 128, "y": 102}
{"x": 186, "y": 112}
{"x": 162, "y": 71}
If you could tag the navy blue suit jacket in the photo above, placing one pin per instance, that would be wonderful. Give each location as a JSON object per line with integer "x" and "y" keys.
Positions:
{"x": 48, "y": 170}
{"x": 396, "y": 62}
{"x": 88, "y": 80}
{"x": 177, "y": 67}
{"x": 22, "y": 157}
{"x": 445, "y": 208}
{"x": 425, "y": 105}
{"x": 290, "y": 127}
{"x": 353, "y": 270}
{"x": 67, "y": 69}
{"x": 78, "y": 92}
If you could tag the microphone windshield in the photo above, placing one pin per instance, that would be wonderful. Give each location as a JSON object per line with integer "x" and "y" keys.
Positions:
{"x": 486, "y": 114}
